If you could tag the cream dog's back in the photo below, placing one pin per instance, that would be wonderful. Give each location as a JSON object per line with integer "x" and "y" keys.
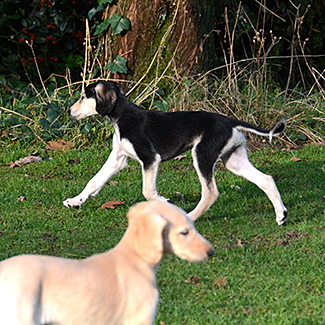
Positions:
{"x": 116, "y": 287}
{"x": 72, "y": 292}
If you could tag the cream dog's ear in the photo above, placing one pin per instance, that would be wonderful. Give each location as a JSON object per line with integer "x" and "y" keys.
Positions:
{"x": 137, "y": 209}
{"x": 147, "y": 231}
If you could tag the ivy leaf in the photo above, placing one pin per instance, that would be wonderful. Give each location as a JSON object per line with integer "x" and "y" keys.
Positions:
{"x": 63, "y": 26}
{"x": 94, "y": 11}
{"x": 51, "y": 115}
{"x": 24, "y": 22}
{"x": 45, "y": 123}
{"x": 102, "y": 27}
{"x": 119, "y": 65}
{"x": 162, "y": 105}
{"x": 103, "y": 2}
{"x": 86, "y": 128}
{"x": 302, "y": 136}
{"x": 119, "y": 23}
{"x": 40, "y": 39}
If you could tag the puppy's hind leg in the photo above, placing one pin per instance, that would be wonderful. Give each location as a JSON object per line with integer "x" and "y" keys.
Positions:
{"x": 238, "y": 163}
{"x": 204, "y": 166}
{"x": 116, "y": 161}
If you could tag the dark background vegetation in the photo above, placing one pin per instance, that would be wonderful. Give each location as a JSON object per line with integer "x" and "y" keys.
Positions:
{"x": 307, "y": 20}
{"x": 258, "y": 53}
{"x": 57, "y": 30}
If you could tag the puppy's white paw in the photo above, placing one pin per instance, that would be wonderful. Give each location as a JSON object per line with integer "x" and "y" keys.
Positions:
{"x": 75, "y": 202}
{"x": 281, "y": 220}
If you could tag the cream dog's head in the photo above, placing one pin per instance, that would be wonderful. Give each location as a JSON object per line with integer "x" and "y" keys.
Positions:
{"x": 163, "y": 228}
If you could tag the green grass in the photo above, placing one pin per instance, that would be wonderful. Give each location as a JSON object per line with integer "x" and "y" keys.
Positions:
{"x": 260, "y": 273}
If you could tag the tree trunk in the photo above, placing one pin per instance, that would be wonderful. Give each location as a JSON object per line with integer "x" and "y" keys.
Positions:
{"x": 166, "y": 37}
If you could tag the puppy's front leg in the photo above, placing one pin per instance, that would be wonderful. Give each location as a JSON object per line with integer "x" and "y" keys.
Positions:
{"x": 116, "y": 161}
{"x": 149, "y": 175}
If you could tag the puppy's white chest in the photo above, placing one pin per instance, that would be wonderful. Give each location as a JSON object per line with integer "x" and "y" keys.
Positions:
{"x": 124, "y": 144}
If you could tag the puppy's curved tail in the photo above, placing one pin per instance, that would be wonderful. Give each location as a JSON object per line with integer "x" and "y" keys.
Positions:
{"x": 277, "y": 128}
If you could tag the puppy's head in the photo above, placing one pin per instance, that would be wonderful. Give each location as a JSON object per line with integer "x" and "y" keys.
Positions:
{"x": 171, "y": 230}
{"x": 98, "y": 98}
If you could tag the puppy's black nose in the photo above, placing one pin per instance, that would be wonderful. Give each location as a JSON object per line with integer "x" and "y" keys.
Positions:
{"x": 210, "y": 252}
{"x": 69, "y": 111}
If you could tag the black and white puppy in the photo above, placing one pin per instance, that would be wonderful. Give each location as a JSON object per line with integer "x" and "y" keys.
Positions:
{"x": 151, "y": 137}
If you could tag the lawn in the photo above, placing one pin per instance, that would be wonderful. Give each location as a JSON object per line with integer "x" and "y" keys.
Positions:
{"x": 260, "y": 274}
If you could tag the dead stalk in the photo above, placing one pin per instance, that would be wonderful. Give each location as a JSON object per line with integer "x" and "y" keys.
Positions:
{"x": 38, "y": 72}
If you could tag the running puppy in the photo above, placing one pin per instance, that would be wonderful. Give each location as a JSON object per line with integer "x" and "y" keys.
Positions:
{"x": 151, "y": 137}
{"x": 113, "y": 288}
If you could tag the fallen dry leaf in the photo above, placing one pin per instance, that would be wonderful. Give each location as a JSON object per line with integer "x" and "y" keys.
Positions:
{"x": 281, "y": 242}
{"x": 295, "y": 159}
{"x": 48, "y": 237}
{"x": 24, "y": 161}
{"x": 75, "y": 161}
{"x": 294, "y": 234}
{"x": 21, "y": 198}
{"x": 111, "y": 204}
{"x": 195, "y": 279}
{"x": 60, "y": 145}
{"x": 221, "y": 283}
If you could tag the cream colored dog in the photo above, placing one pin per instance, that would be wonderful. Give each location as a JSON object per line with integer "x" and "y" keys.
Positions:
{"x": 116, "y": 287}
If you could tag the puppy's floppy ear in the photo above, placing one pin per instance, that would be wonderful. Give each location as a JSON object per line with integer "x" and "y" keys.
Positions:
{"x": 120, "y": 88}
{"x": 106, "y": 97}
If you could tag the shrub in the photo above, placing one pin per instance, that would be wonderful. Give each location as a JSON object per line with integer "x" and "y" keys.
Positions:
{"x": 54, "y": 30}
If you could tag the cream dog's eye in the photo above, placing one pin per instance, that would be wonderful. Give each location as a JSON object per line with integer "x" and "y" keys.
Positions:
{"x": 184, "y": 232}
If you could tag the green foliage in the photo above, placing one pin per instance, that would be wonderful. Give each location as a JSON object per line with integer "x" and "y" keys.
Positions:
{"x": 117, "y": 22}
{"x": 162, "y": 105}
{"x": 28, "y": 119}
{"x": 119, "y": 65}
{"x": 40, "y": 39}
{"x": 52, "y": 28}
{"x": 49, "y": 35}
